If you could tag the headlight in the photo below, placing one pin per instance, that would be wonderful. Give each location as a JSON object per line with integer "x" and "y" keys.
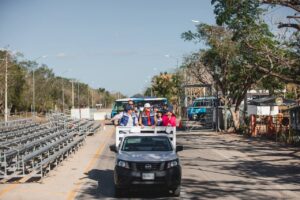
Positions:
{"x": 172, "y": 163}
{"x": 122, "y": 163}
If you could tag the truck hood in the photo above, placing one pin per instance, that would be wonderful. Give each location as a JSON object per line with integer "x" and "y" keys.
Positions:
{"x": 140, "y": 156}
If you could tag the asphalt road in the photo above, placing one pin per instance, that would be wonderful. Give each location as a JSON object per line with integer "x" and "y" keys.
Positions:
{"x": 215, "y": 166}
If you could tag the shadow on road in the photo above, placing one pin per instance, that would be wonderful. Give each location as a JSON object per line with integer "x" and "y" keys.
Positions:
{"x": 229, "y": 189}
{"x": 249, "y": 169}
{"x": 105, "y": 188}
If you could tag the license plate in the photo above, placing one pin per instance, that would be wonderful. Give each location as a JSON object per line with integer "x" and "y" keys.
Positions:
{"x": 148, "y": 176}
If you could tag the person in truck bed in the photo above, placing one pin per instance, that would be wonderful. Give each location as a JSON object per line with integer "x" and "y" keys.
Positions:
{"x": 116, "y": 119}
{"x": 129, "y": 117}
{"x": 147, "y": 117}
{"x": 169, "y": 119}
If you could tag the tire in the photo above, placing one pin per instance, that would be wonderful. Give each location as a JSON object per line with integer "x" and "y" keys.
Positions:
{"x": 176, "y": 192}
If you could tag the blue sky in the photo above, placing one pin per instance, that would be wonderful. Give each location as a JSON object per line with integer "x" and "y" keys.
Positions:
{"x": 115, "y": 44}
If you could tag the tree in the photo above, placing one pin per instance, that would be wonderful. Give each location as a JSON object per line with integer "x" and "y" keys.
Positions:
{"x": 16, "y": 82}
{"x": 196, "y": 70}
{"x": 293, "y": 4}
{"x": 167, "y": 85}
{"x": 234, "y": 56}
{"x": 51, "y": 92}
{"x": 218, "y": 62}
{"x": 244, "y": 19}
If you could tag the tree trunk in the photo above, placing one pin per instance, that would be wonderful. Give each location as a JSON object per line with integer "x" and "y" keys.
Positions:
{"x": 235, "y": 113}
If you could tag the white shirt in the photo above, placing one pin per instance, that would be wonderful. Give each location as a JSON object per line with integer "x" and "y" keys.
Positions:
{"x": 130, "y": 121}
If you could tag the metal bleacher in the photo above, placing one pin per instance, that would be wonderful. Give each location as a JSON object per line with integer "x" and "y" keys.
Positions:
{"x": 30, "y": 149}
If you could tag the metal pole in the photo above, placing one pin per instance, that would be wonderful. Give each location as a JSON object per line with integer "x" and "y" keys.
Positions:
{"x": 6, "y": 109}
{"x": 33, "y": 93}
{"x": 63, "y": 96}
{"x": 88, "y": 97}
{"x": 73, "y": 94}
{"x": 78, "y": 93}
{"x": 92, "y": 98}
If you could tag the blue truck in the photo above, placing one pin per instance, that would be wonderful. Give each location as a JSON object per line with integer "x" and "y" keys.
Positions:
{"x": 202, "y": 109}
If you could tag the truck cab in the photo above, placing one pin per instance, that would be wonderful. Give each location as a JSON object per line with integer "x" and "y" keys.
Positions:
{"x": 146, "y": 157}
{"x": 202, "y": 109}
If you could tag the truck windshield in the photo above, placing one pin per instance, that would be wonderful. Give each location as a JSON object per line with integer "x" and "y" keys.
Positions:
{"x": 146, "y": 143}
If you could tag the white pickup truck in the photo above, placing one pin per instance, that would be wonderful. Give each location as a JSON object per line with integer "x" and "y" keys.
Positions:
{"x": 146, "y": 157}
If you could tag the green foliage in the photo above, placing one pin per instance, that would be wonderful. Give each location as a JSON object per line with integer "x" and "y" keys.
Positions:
{"x": 241, "y": 52}
{"x": 50, "y": 90}
{"x": 167, "y": 85}
{"x": 243, "y": 17}
{"x": 290, "y": 95}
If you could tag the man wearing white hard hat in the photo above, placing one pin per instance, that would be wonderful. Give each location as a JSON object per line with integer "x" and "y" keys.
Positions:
{"x": 147, "y": 117}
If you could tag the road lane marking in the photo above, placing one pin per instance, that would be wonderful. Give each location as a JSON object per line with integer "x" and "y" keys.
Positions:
{"x": 72, "y": 194}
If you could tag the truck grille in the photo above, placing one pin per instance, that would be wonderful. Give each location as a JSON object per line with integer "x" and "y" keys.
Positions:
{"x": 147, "y": 166}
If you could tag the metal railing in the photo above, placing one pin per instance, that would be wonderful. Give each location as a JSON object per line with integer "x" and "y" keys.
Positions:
{"x": 30, "y": 149}
{"x": 122, "y": 131}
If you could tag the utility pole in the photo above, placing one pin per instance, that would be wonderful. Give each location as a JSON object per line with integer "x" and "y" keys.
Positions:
{"x": 63, "y": 96}
{"x": 6, "y": 108}
{"x": 33, "y": 93}
{"x": 92, "y": 98}
{"x": 78, "y": 94}
{"x": 73, "y": 105}
{"x": 88, "y": 97}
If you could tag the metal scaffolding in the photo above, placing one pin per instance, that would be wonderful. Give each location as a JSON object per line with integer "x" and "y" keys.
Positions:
{"x": 30, "y": 149}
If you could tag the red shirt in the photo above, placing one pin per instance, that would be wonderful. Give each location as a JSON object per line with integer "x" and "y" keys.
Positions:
{"x": 166, "y": 121}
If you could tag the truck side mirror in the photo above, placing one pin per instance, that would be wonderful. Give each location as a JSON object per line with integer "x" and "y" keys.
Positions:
{"x": 113, "y": 148}
{"x": 179, "y": 148}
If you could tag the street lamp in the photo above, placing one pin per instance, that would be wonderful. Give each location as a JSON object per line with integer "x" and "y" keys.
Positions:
{"x": 6, "y": 88}
{"x": 73, "y": 99}
{"x": 78, "y": 94}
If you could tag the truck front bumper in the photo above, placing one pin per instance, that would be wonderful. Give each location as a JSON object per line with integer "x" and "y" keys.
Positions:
{"x": 126, "y": 178}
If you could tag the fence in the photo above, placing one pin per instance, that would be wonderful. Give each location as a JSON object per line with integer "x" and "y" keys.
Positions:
{"x": 122, "y": 131}
{"x": 277, "y": 127}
